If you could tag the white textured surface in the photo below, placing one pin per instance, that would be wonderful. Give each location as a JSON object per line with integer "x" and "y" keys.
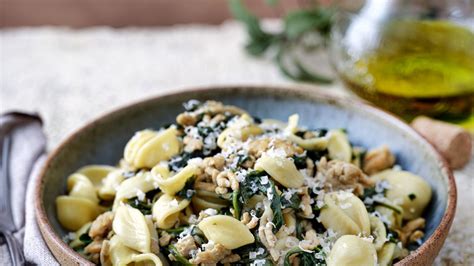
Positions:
{"x": 70, "y": 77}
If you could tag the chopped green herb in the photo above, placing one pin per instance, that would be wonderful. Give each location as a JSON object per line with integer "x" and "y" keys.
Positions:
{"x": 180, "y": 259}
{"x": 298, "y": 23}
{"x": 300, "y": 161}
{"x": 85, "y": 238}
{"x": 276, "y": 207}
{"x": 306, "y": 258}
{"x": 244, "y": 252}
{"x": 293, "y": 202}
{"x": 142, "y": 206}
{"x": 188, "y": 191}
{"x": 253, "y": 185}
{"x": 236, "y": 204}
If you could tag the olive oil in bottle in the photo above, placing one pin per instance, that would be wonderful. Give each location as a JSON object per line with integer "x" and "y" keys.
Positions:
{"x": 419, "y": 67}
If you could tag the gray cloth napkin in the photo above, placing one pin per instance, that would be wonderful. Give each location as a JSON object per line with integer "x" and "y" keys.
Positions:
{"x": 27, "y": 151}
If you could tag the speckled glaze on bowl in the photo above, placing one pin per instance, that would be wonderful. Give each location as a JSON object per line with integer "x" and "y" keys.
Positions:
{"x": 102, "y": 141}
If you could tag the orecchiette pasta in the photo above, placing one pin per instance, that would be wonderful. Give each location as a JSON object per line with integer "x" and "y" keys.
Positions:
{"x": 281, "y": 169}
{"x": 345, "y": 214}
{"x": 110, "y": 185}
{"x": 313, "y": 143}
{"x": 74, "y": 212}
{"x": 208, "y": 200}
{"x": 222, "y": 187}
{"x": 352, "y": 250}
{"x": 121, "y": 255}
{"x": 338, "y": 146}
{"x": 81, "y": 187}
{"x": 76, "y": 242}
{"x": 96, "y": 173}
{"x": 240, "y": 130}
{"x": 131, "y": 227}
{"x": 407, "y": 190}
{"x": 227, "y": 231}
{"x": 147, "y": 148}
{"x": 378, "y": 232}
{"x": 166, "y": 210}
{"x": 132, "y": 187}
{"x": 175, "y": 183}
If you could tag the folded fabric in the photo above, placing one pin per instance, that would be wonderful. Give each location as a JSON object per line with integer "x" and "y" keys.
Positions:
{"x": 27, "y": 150}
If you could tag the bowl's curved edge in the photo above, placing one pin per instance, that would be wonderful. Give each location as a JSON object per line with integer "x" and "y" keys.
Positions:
{"x": 64, "y": 254}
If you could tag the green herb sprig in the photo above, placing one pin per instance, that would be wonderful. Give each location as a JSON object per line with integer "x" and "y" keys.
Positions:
{"x": 297, "y": 25}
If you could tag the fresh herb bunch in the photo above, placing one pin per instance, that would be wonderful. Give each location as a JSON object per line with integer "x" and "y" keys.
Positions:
{"x": 298, "y": 24}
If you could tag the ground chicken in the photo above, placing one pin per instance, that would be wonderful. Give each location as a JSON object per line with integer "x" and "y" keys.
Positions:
{"x": 164, "y": 239}
{"x": 185, "y": 245}
{"x": 257, "y": 147}
{"x": 411, "y": 231}
{"x": 342, "y": 175}
{"x": 310, "y": 241}
{"x": 378, "y": 159}
{"x": 249, "y": 221}
{"x": 101, "y": 225}
{"x": 94, "y": 247}
{"x": 212, "y": 255}
{"x": 192, "y": 144}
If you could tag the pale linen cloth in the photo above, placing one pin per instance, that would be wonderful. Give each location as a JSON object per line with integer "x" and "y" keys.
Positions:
{"x": 71, "y": 76}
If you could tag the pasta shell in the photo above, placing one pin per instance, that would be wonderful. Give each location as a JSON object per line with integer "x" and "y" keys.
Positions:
{"x": 395, "y": 219}
{"x": 96, "y": 173}
{"x": 241, "y": 130}
{"x": 173, "y": 184}
{"x": 147, "y": 148}
{"x": 281, "y": 169}
{"x": 130, "y": 226}
{"x": 407, "y": 190}
{"x": 111, "y": 183}
{"x": 338, "y": 146}
{"x": 352, "y": 250}
{"x": 80, "y": 186}
{"x": 121, "y": 255}
{"x": 309, "y": 144}
{"x": 345, "y": 214}
{"x": 74, "y": 212}
{"x": 226, "y": 230}
{"x": 386, "y": 254}
{"x": 76, "y": 242}
{"x": 166, "y": 210}
{"x": 142, "y": 182}
{"x": 378, "y": 232}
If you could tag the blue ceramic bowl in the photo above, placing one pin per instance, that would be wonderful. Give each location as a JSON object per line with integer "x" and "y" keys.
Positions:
{"x": 103, "y": 140}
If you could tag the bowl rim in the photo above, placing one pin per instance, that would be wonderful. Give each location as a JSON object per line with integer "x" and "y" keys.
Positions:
{"x": 294, "y": 90}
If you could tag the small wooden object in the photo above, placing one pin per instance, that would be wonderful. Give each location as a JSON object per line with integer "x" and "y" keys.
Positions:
{"x": 453, "y": 142}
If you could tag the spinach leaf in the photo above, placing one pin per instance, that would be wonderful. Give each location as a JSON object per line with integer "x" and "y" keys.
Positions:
{"x": 253, "y": 185}
{"x": 300, "y": 161}
{"x": 236, "y": 204}
{"x": 180, "y": 161}
{"x": 276, "y": 207}
{"x": 188, "y": 191}
{"x": 142, "y": 206}
{"x": 293, "y": 202}
{"x": 180, "y": 259}
{"x": 306, "y": 258}
{"x": 85, "y": 238}
{"x": 245, "y": 251}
